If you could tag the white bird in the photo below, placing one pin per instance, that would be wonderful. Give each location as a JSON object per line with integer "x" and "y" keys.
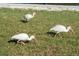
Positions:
{"x": 61, "y": 28}
{"x": 22, "y": 37}
{"x": 28, "y": 17}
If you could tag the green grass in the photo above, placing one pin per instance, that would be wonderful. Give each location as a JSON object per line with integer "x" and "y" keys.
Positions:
{"x": 10, "y": 24}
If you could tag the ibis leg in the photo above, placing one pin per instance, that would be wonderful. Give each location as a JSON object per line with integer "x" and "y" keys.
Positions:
{"x": 18, "y": 41}
{"x": 60, "y": 35}
{"x": 22, "y": 43}
{"x": 55, "y": 35}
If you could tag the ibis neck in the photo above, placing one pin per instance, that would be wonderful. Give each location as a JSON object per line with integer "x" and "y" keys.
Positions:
{"x": 33, "y": 15}
{"x": 67, "y": 29}
{"x": 30, "y": 38}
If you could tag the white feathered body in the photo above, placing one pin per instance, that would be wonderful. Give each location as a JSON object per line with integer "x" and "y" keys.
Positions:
{"x": 59, "y": 28}
{"x": 28, "y": 17}
{"x": 21, "y": 36}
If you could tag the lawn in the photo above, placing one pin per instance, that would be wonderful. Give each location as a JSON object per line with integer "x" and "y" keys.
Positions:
{"x": 46, "y": 45}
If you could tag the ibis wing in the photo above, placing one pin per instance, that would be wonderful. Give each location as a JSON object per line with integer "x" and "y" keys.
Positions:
{"x": 20, "y": 37}
{"x": 59, "y": 28}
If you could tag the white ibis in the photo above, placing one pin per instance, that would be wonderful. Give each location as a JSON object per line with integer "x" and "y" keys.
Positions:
{"x": 22, "y": 37}
{"x": 28, "y": 17}
{"x": 61, "y": 28}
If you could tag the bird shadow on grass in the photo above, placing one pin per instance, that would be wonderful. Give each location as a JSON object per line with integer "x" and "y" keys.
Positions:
{"x": 12, "y": 41}
{"x": 51, "y": 34}
{"x": 24, "y": 21}
{"x": 15, "y": 41}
